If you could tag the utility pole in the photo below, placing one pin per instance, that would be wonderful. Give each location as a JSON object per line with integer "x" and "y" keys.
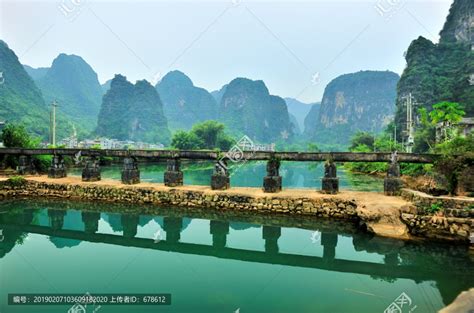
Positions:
{"x": 395, "y": 135}
{"x": 410, "y": 103}
{"x": 374, "y": 142}
{"x": 52, "y": 127}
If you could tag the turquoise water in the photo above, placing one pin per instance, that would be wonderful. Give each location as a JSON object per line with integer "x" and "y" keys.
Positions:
{"x": 218, "y": 262}
{"x": 250, "y": 174}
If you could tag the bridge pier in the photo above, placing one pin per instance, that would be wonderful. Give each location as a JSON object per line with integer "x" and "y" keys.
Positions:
{"x": 25, "y": 165}
{"x": 219, "y": 231}
{"x": 391, "y": 259}
{"x": 271, "y": 234}
{"x": 173, "y": 175}
{"x": 56, "y": 218}
{"x": 172, "y": 226}
{"x": 130, "y": 171}
{"x": 91, "y": 171}
{"x": 129, "y": 225}
{"x": 91, "y": 221}
{"x": 330, "y": 181}
{"x": 329, "y": 242}
{"x": 392, "y": 182}
{"x": 220, "y": 179}
{"x": 58, "y": 168}
{"x": 272, "y": 182}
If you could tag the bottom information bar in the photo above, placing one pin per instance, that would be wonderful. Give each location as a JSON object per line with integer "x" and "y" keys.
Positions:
{"x": 88, "y": 298}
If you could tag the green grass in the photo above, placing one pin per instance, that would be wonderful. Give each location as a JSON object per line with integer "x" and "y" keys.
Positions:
{"x": 17, "y": 181}
{"x": 435, "y": 207}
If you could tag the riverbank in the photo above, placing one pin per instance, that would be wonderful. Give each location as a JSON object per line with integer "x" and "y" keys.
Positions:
{"x": 397, "y": 217}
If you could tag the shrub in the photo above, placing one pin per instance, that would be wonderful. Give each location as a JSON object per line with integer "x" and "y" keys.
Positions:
{"x": 414, "y": 169}
{"x": 205, "y": 135}
{"x": 17, "y": 181}
{"x": 42, "y": 163}
{"x": 435, "y": 207}
{"x": 452, "y": 166}
{"x": 16, "y": 136}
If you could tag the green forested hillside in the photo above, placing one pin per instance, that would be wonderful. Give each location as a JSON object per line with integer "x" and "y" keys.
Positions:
{"x": 133, "y": 112}
{"x": 36, "y": 73}
{"x": 74, "y": 85}
{"x": 247, "y": 108}
{"x": 299, "y": 110}
{"x": 362, "y": 101}
{"x": 311, "y": 120}
{"x": 183, "y": 103}
{"x": 217, "y": 94}
{"x": 21, "y": 100}
{"x": 441, "y": 72}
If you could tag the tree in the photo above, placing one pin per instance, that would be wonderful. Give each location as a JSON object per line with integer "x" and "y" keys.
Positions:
{"x": 425, "y": 134}
{"x": 312, "y": 147}
{"x": 446, "y": 113}
{"x": 16, "y": 136}
{"x": 224, "y": 142}
{"x": 208, "y": 132}
{"x": 457, "y": 161}
{"x": 206, "y": 135}
{"x": 385, "y": 143}
{"x": 457, "y": 157}
{"x": 362, "y": 138}
{"x": 186, "y": 140}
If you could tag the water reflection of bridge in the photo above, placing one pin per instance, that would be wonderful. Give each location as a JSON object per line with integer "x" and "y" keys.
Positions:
{"x": 416, "y": 268}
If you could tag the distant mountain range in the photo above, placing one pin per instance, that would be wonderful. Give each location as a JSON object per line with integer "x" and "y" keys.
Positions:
{"x": 217, "y": 94}
{"x": 126, "y": 111}
{"x": 362, "y": 101}
{"x": 185, "y": 104}
{"x": 133, "y": 112}
{"x": 21, "y": 100}
{"x": 106, "y": 86}
{"x": 247, "y": 108}
{"x": 36, "y": 73}
{"x": 75, "y": 86}
{"x": 299, "y": 111}
{"x": 311, "y": 120}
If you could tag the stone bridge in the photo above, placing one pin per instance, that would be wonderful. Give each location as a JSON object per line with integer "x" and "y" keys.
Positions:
{"x": 220, "y": 179}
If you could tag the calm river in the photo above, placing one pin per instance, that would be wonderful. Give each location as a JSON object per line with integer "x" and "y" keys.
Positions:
{"x": 218, "y": 262}
{"x": 295, "y": 175}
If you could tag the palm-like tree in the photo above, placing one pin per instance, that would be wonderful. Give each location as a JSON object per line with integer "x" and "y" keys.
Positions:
{"x": 446, "y": 113}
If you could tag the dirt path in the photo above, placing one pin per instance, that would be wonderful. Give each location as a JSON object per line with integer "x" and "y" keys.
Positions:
{"x": 379, "y": 212}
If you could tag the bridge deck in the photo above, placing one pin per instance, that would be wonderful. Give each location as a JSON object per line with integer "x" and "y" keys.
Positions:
{"x": 232, "y": 155}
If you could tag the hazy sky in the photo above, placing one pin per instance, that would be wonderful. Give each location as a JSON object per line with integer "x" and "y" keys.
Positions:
{"x": 296, "y": 47}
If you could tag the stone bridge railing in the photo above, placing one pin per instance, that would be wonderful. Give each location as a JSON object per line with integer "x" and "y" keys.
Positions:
{"x": 173, "y": 176}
